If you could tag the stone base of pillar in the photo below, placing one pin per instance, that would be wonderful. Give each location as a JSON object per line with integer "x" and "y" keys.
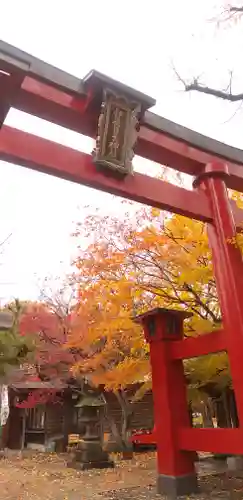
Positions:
{"x": 235, "y": 464}
{"x": 175, "y": 486}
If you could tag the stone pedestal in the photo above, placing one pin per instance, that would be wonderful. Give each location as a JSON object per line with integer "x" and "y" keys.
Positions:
{"x": 235, "y": 464}
{"x": 90, "y": 455}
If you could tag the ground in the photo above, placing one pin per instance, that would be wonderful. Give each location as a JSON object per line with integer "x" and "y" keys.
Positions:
{"x": 46, "y": 477}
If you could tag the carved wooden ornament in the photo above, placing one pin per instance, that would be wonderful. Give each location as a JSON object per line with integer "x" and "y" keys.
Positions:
{"x": 117, "y": 133}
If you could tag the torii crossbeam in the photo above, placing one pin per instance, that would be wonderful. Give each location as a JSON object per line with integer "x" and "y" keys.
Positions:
{"x": 117, "y": 117}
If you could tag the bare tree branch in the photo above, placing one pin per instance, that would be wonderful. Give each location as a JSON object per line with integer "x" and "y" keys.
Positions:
{"x": 221, "y": 94}
{"x": 6, "y": 239}
{"x": 235, "y": 9}
{"x": 195, "y": 85}
{"x": 231, "y": 12}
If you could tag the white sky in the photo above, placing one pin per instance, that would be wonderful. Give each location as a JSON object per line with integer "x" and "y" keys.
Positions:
{"x": 131, "y": 41}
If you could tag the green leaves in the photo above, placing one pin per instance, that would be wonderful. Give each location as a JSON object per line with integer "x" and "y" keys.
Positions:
{"x": 14, "y": 350}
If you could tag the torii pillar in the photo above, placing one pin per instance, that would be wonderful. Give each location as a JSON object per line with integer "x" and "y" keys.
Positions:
{"x": 228, "y": 267}
{"x": 176, "y": 470}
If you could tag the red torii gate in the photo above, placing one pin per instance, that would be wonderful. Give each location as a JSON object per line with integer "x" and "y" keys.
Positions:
{"x": 37, "y": 88}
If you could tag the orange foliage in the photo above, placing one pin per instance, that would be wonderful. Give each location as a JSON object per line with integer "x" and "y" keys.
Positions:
{"x": 149, "y": 260}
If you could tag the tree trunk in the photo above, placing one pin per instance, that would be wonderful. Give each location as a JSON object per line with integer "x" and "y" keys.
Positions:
{"x": 114, "y": 443}
{"x": 190, "y": 411}
{"x": 223, "y": 419}
{"x": 125, "y": 426}
{"x": 67, "y": 419}
{"x": 207, "y": 415}
{"x": 120, "y": 434}
{"x": 221, "y": 416}
{"x": 233, "y": 408}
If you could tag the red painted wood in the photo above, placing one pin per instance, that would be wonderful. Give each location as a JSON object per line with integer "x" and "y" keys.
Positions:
{"x": 228, "y": 268}
{"x": 182, "y": 156}
{"x": 56, "y": 106}
{"x": 170, "y": 410}
{"x": 170, "y": 402}
{"x": 144, "y": 437}
{"x": 198, "y": 346}
{"x": 51, "y": 104}
{"x": 176, "y": 154}
{"x": 52, "y": 158}
{"x": 235, "y": 179}
{"x": 211, "y": 440}
{"x": 9, "y": 87}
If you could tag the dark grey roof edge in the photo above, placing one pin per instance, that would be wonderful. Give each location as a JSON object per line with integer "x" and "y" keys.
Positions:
{"x": 194, "y": 139}
{"x": 40, "y": 69}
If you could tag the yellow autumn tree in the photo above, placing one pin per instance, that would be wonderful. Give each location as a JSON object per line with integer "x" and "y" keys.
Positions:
{"x": 149, "y": 260}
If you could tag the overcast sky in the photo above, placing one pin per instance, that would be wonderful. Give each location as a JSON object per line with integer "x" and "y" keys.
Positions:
{"x": 134, "y": 42}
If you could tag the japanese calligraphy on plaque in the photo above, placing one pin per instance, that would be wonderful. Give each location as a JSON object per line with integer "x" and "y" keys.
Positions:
{"x": 117, "y": 133}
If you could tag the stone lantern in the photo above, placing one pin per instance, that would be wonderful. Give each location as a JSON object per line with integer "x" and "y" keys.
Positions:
{"x": 89, "y": 454}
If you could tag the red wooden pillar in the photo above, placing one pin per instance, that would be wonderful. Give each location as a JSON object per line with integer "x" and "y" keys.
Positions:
{"x": 228, "y": 268}
{"x": 176, "y": 472}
